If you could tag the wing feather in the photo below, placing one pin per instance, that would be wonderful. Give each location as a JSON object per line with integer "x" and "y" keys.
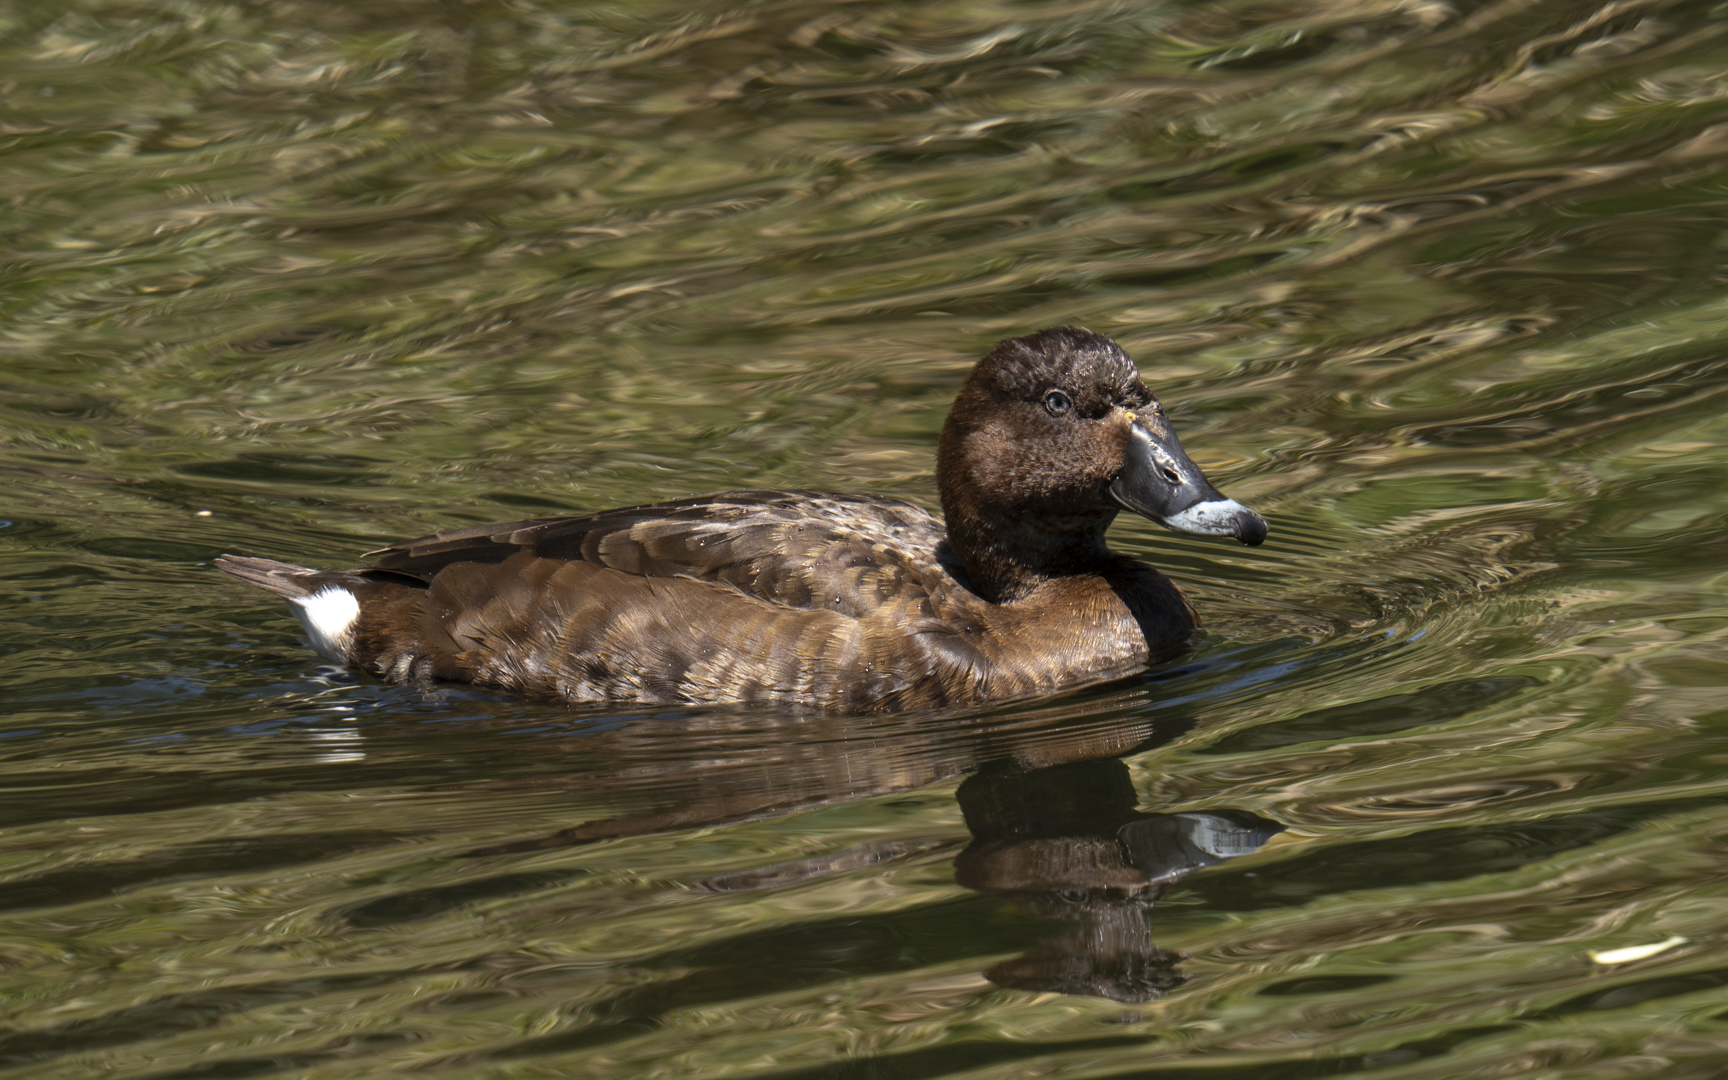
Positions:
{"x": 846, "y": 554}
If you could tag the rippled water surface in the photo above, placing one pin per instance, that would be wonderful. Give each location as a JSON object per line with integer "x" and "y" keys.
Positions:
{"x": 1438, "y": 287}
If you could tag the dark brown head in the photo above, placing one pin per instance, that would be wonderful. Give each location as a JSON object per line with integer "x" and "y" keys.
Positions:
{"x": 1050, "y": 436}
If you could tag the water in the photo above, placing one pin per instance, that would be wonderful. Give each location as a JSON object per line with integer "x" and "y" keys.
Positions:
{"x": 1439, "y": 288}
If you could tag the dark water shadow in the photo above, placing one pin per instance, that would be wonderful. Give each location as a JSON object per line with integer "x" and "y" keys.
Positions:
{"x": 1379, "y": 716}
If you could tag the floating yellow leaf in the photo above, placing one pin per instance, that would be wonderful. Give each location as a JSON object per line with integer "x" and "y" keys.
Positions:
{"x": 1636, "y": 952}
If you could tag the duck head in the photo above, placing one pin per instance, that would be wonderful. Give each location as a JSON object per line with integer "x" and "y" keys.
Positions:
{"x": 1051, "y": 435}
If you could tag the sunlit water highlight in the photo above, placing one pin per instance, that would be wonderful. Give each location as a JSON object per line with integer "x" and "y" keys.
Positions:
{"x": 1438, "y": 287}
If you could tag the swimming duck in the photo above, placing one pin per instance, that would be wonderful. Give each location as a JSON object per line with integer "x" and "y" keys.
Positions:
{"x": 845, "y": 603}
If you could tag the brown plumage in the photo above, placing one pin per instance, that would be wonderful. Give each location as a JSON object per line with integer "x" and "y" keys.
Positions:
{"x": 847, "y": 603}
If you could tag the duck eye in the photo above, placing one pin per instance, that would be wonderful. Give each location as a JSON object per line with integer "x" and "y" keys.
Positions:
{"x": 1056, "y": 403}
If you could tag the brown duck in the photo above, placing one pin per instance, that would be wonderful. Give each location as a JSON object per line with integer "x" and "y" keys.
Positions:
{"x": 848, "y": 603}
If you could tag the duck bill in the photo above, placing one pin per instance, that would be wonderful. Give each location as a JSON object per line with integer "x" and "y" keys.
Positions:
{"x": 1158, "y": 481}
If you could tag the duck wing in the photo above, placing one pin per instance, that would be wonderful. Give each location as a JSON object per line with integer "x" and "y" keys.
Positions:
{"x": 800, "y": 549}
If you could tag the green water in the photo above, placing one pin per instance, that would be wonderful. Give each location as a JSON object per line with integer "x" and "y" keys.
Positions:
{"x": 1440, "y": 288}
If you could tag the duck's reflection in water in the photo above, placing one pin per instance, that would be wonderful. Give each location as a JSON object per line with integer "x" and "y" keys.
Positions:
{"x": 1069, "y": 843}
{"x": 1056, "y": 829}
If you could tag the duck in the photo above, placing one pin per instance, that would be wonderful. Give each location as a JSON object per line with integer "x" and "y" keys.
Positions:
{"x": 842, "y": 603}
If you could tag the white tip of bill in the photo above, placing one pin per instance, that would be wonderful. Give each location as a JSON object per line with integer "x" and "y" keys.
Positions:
{"x": 328, "y": 616}
{"x": 1215, "y": 517}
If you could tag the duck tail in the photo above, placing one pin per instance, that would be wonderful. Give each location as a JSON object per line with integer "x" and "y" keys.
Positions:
{"x": 284, "y": 579}
{"x": 326, "y": 603}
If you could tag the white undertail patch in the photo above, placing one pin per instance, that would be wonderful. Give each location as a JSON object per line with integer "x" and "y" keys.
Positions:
{"x": 328, "y": 616}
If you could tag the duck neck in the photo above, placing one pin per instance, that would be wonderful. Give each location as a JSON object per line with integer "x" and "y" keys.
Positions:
{"x": 1010, "y": 551}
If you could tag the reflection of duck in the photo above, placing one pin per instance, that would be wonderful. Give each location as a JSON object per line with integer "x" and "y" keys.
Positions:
{"x": 847, "y": 603}
{"x": 1056, "y": 834}
{"x": 1067, "y": 843}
